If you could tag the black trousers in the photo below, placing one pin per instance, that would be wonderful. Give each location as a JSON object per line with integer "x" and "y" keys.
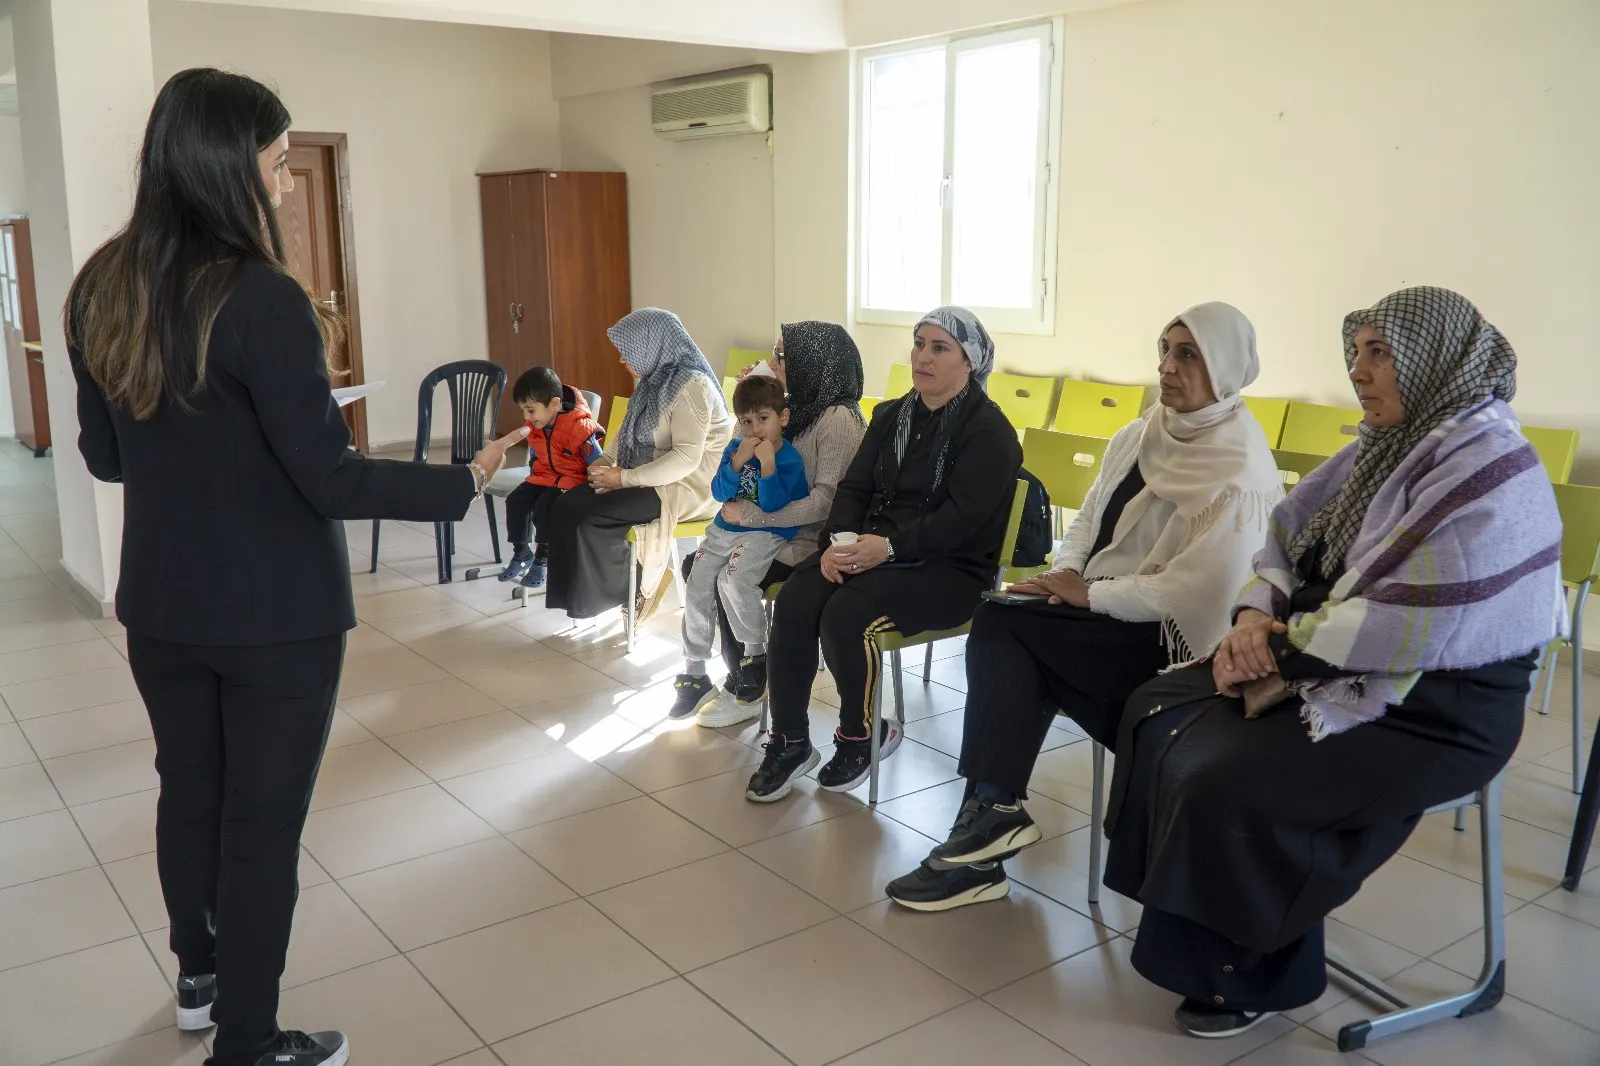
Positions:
{"x": 239, "y": 736}
{"x": 1026, "y": 663}
{"x": 731, "y": 646}
{"x": 528, "y": 514}
{"x": 845, "y": 618}
{"x": 588, "y": 538}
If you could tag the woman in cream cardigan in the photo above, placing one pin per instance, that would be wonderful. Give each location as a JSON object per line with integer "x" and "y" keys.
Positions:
{"x": 655, "y": 474}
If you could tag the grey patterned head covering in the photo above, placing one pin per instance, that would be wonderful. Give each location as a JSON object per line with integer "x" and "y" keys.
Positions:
{"x": 964, "y": 326}
{"x": 655, "y": 346}
{"x": 1447, "y": 359}
{"x": 822, "y": 369}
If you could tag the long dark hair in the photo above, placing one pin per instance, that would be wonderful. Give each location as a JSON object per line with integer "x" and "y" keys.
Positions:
{"x": 142, "y": 307}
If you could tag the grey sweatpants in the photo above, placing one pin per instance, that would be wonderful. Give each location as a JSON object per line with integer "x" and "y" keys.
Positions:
{"x": 733, "y": 565}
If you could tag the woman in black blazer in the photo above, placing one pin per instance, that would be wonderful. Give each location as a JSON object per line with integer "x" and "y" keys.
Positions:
{"x": 203, "y": 388}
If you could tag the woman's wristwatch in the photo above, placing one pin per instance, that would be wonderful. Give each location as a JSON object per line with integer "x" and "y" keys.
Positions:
{"x": 888, "y": 550}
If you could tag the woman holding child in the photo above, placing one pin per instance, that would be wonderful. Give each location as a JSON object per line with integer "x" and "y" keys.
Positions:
{"x": 819, "y": 366}
{"x": 924, "y": 504}
{"x": 656, "y": 474}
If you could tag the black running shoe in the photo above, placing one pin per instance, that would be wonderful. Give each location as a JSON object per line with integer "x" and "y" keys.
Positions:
{"x": 786, "y": 762}
{"x": 195, "y": 996}
{"x": 694, "y": 691}
{"x": 303, "y": 1049}
{"x": 852, "y": 759}
{"x": 517, "y": 568}
{"x": 984, "y": 832}
{"x": 752, "y": 683}
{"x": 1216, "y": 1023}
{"x": 930, "y": 889}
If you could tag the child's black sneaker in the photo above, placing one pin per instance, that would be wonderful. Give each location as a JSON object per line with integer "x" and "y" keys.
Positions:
{"x": 538, "y": 570}
{"x": 195, "y": 996}
{"x": 693, "y": 692}
{"x": 517, "y": 568}
{"x": 752, "y": 684}
{"x": 786, "y": 762}
{"x": 307, "y": 1049}
{"x": 852, "y": 759}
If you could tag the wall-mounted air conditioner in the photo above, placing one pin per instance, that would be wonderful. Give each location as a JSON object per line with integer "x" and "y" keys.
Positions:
{"x": 713, "y": 106}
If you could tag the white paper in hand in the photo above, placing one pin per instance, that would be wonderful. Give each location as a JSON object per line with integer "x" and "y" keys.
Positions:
{"x": 351, "y": 393}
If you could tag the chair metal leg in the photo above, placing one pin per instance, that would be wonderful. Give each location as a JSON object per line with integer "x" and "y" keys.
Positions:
{"x": 766, "y": 693}
{"x": 633, "y": 592}
{"x": 1583, "y": 824}
{"x": 899, "y": 692}
{"x": 1552, "y": 661}
{"x": 1577, "y": 685}
{"x": 1097, "y": 819}
{"x": 441, "y": 552}
{"x": 374, "y": 568}
{"x": 872, "y": 729}
{"x": 494, "y": 526}
{"x": 927, "y": 663}
{"x": 1461, "y": 819}
{"x": 1491, "y": 983}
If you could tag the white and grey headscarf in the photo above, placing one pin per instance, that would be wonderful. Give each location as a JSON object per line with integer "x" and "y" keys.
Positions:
{"x": 655, "y": 346}
{"x": 964, "y": 326}
{"x": 1447, "y": 359}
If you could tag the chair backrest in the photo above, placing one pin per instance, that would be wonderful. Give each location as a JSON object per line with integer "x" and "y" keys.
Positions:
{"x": 619, "y": 410}
{"x": 1292, "y": 466}
{"x": 739, "y": 358}
{"x": 592, "y": 399}
{"x": 868, "y": 405}
{"x": 1269, "y": 413}
{"x": 1580, "y": 532}
{"x": 1314, "y": 429}
{"x": 1066, "y": 463}
{"x": 1025, "y": 400}
{"x": 476, "y": 389}
{"x": 1008, "y": 546}
{"x": 899, "y": 381}
{"x": 1557, "y": 448}
{"x": 1094, "y": 409}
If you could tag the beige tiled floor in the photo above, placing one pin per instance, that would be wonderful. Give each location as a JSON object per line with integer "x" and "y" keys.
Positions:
{"x": 514, "y": 860}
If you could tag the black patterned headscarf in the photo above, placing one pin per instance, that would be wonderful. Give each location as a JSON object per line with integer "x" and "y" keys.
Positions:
{"x": 821, "y": 369}
{"x": 1447, "y": 359}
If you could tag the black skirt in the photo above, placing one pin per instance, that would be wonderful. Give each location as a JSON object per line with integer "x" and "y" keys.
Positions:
{"x": 1250, "y": 829}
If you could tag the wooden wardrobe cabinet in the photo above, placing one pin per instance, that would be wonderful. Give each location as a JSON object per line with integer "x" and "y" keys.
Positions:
{"x": 556, "y": 277}
{"x": 19, "y": 332}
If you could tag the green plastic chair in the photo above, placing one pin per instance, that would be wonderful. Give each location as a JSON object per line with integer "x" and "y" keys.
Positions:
{"x": 1065, "y": 463}
{"x": 899, "y": 381}
{"x": 868, "y": 405}
{"x": 728, "y": 385}
{"x": 1025, "y": 400}
{"x": 739, "y": 358}
{"x": 1557, "y": 448}
{"x": 1292, "y": 466}
{"x": 1094, "y": 409}
{"x": 1312, "y": 429}
{"x": 1580, "y": 568}
{"x": 1270, "y": 414}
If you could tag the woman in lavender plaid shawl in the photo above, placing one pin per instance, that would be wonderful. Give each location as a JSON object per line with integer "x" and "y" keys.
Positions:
{"x": 1378, "y": 666}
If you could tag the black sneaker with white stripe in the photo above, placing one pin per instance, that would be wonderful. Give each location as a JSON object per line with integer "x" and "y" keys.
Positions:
{"x": 928, "y": 888}
{"x": 195, "y": 995}
{"x": 985, "y": 832}
{"x": 852, "y": 759}
{"x": 1216, "y": 1023}
{"x": 307, "y": 1049}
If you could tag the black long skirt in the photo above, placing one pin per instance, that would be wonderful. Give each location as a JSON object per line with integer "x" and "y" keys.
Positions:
{"x": 589, "y": 547}
{"x": 1248, "y": 829}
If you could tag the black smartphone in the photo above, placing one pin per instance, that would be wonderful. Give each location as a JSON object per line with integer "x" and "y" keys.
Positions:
{"x": 1013, "y": 599}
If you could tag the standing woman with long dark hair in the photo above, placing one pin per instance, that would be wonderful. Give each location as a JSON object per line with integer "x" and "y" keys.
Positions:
{"x": 203, "y": 388}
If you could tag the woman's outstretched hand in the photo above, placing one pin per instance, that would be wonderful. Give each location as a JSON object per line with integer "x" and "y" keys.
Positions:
{"x": 492, "y": 456}
{"x": 1062, "y": 586}
{"x": 1245, "y": 654}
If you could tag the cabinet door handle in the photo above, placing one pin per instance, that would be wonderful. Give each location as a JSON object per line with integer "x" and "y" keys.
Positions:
{"x": 516, "y": 318}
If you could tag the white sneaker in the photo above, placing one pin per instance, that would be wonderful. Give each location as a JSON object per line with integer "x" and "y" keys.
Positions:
{"x": 725, "y": 710}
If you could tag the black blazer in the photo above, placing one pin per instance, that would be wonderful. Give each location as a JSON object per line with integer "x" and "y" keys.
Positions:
{"x": 964, "y": 521}
{"x": 232, "y": 529}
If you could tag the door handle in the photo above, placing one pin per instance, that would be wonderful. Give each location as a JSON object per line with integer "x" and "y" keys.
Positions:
{"x": 333, "y": 300}
{"x": 516, "y": 318}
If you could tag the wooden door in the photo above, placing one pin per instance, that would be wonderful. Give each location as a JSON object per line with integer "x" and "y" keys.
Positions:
{"x": 499, "y": 268}
{"x": 314, "y": 228}
{"x": 19, "y": 337}
{"x": 587, "y": 237}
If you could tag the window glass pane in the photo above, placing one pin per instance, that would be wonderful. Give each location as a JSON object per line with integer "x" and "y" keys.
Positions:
{"x": 996, "y": 174}
{"x": 903, "y": 169}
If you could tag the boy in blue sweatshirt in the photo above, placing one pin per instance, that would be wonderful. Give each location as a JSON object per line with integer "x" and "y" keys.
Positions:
{"x": 758, "y": 466}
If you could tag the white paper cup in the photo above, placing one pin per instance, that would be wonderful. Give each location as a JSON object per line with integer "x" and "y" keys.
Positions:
{"x": 841, "y": 539}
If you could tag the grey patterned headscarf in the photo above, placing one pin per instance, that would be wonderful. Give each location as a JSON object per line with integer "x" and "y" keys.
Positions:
{"x": 1448, "y": 359}
{"x": 655, "y": 346}
{"x": 964, "y": 326}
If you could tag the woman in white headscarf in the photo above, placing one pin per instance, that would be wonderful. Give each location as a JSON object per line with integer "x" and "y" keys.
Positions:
{"x": 1144, "y": 578}
{"x": 655, "y": 474}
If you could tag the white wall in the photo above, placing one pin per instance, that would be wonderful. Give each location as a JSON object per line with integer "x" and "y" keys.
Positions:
{"x": 426, "y": 106}
{"x": 13, "y": 187}
{"x": 699, "y": 216}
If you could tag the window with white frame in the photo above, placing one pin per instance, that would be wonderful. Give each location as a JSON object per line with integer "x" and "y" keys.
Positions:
{"x": 955, "y": 202}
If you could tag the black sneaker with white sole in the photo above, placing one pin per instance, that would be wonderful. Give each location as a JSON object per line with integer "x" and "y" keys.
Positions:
{"x": 195, "y": 996}
{"x": 985, "y": 832}
{"x": 307, "y": 1049}
{"x": 852, "y": 759}
{"x": 1216, "y": 1023}
{"x": 752, "y": 681}
{"x": 929, "y": 889}
{"x": 786, "y": 762}
{"x": 693, "y": 692}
